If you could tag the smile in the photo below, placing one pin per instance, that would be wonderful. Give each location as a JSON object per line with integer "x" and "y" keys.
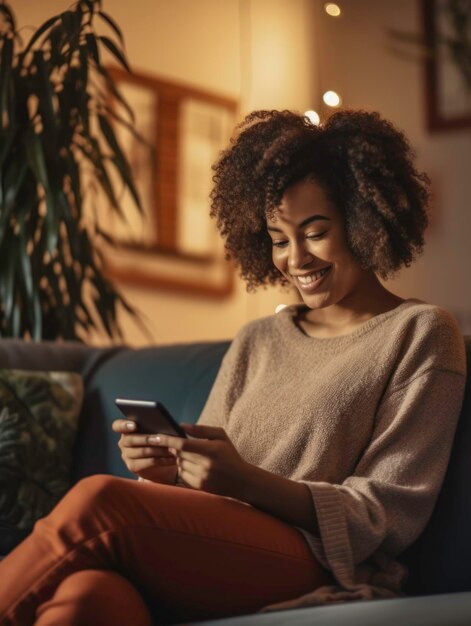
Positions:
{"x": 309, "y": 282}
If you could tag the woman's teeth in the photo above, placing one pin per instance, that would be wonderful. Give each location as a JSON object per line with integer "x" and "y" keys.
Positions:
{"x": 306, "y": 280}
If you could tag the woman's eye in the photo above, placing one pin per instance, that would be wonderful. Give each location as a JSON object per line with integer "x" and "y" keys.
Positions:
{"x": 315, "y": 235}
{"x": 279, "y": 244}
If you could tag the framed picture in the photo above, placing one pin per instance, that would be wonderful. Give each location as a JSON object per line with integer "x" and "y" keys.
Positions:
{"x": 447, "y": 34}
{"x": 175, "y": 244}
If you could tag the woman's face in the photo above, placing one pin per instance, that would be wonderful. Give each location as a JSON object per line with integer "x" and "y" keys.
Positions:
{"x": 310, "y": 247}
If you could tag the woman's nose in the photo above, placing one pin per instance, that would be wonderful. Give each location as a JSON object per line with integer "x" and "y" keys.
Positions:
{"x": 298, "y": 257}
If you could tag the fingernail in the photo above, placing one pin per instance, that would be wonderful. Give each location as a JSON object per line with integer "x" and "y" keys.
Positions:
{"x": 154, "y": 439}
{"x": 130, "y": 426}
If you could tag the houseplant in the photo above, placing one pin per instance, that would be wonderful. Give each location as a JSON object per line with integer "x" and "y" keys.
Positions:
{"x": 57, "y": 149}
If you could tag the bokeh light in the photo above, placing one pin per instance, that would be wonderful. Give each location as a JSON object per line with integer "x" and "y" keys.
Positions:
{"x": 313, "y": 117}
{"x": 331, "y": 98}
{"x": 280, "y": 307}
{"x": 332, "y": 9}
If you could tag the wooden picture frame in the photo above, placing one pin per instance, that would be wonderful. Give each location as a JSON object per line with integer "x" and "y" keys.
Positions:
{"x": 448, "y": 100}
{"x": 176, "y": 246}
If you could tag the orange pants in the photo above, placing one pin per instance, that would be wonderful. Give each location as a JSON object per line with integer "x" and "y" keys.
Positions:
{"x": 117, "y": 551}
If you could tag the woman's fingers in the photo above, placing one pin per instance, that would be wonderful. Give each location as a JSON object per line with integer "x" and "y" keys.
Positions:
{"x": 123, "y": 426}
{"x": 140, "y": 465}
{"x": 143, "y": 457}
{"x": 147, "y": 452}
{"x": 139, "y": 441}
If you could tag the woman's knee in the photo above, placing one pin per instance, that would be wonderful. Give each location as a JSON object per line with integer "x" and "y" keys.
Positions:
{"x": 94, "y": 597}
{"x": 96, "y": 487}
{"x": 91, "y": 497}
{"x": 93, "y": 490}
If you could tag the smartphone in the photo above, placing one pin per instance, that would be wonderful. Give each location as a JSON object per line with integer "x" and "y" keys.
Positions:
{"x": 150, "y": 417}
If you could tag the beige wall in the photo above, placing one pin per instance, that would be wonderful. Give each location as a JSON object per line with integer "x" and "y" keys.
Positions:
{"x": 283, "y": 54}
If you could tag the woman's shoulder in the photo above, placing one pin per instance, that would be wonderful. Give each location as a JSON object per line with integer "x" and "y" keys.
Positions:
{"x": 427, "y": 318}
{"x": 259, "y": 335}
{"x": 256, "y": 328}
{"x": 429, "y": 334}
{"x": 418, "y": 307}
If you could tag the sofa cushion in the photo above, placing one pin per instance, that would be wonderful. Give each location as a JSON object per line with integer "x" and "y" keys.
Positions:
{"x": 38, "y": 422}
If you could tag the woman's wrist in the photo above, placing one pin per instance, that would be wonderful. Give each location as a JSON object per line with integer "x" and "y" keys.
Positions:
{"x": 286, "y": 499}
{"x": 163, "y": 480}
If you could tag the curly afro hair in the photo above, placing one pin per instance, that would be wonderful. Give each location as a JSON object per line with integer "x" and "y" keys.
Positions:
{"x": 362, "y": 161}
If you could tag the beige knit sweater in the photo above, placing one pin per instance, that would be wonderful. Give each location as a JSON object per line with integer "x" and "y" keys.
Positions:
{"x": 365, "y": 420}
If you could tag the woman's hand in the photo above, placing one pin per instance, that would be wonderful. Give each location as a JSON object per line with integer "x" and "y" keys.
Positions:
{"x": 210, "y": 463}
{"x": 142, "y": 457}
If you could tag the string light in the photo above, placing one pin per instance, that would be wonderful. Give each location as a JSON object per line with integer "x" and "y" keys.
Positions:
{"x": 313, "y": 117}
{"x": 331, "y": 98}
{"x": 332, "y": 9}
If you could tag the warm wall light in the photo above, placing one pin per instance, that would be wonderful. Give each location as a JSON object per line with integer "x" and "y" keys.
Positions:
{"x": 332, "y": 9}
{"x": 280, "y": 307}
{"x": 331, "y": 98}
{"x": 313, "y": 117}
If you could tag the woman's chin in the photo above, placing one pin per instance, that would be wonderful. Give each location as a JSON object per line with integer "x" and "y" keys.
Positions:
{"x": 315, "y": 301}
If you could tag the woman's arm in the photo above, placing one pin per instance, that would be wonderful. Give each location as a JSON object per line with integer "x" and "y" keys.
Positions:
{"x": 210, "y": 461}
{"x": 281, "y": 497}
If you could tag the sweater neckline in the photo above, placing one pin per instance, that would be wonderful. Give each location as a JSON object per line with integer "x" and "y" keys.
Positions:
{"x": 288, "y": 318}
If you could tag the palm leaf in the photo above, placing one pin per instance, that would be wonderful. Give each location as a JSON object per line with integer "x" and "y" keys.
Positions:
{"x": 112, "y": 24}
{"x": 8, "y": 15}
{"x": 119, "y": 159}
{"x": 92, "y": 47}
{"x": 40, "y": 31}
{"x": 5, "y": 64}
{"x": 111, "y": 86}
{"x": 115, "y": 51}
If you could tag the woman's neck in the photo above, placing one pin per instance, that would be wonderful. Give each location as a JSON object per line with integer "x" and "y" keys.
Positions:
{"x": 343, "y": 317}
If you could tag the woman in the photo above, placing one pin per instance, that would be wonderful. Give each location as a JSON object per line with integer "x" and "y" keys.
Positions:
{"x": 322, "y": 447}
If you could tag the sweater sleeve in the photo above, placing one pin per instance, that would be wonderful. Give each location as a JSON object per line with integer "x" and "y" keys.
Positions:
{"x": 385, "y": 504}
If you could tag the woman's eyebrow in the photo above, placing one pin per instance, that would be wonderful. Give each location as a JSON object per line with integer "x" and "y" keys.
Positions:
{"x": 305, "y": 222}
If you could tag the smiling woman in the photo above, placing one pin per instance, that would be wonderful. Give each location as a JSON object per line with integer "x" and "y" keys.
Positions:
{"x": 295, "y": 200}
{"x": 332, "y": 419}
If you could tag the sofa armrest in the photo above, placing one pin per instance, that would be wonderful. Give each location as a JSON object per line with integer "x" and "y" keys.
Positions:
{"x": 451, "y": 609}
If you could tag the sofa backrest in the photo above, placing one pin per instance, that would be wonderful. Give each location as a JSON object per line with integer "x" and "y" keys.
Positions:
{"x": 67, "y": 356}
{"x": 440, "y": 560}
{"x": 179, "y": 376}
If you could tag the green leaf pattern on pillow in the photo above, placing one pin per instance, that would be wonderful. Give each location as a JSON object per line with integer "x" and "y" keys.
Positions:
{"x": 38, "y": 424}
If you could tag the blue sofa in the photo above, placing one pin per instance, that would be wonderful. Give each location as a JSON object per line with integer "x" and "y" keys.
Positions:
{"x": 439, "y": 584}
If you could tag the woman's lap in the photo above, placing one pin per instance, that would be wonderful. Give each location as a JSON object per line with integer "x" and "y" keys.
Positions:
{"x": 192, "y": 555}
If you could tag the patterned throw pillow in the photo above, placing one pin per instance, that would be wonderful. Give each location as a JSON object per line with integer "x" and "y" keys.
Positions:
{"x": 38, "y": 423}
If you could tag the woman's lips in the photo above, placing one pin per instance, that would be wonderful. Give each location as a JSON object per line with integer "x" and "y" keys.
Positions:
{"x": 314, "y": 284}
